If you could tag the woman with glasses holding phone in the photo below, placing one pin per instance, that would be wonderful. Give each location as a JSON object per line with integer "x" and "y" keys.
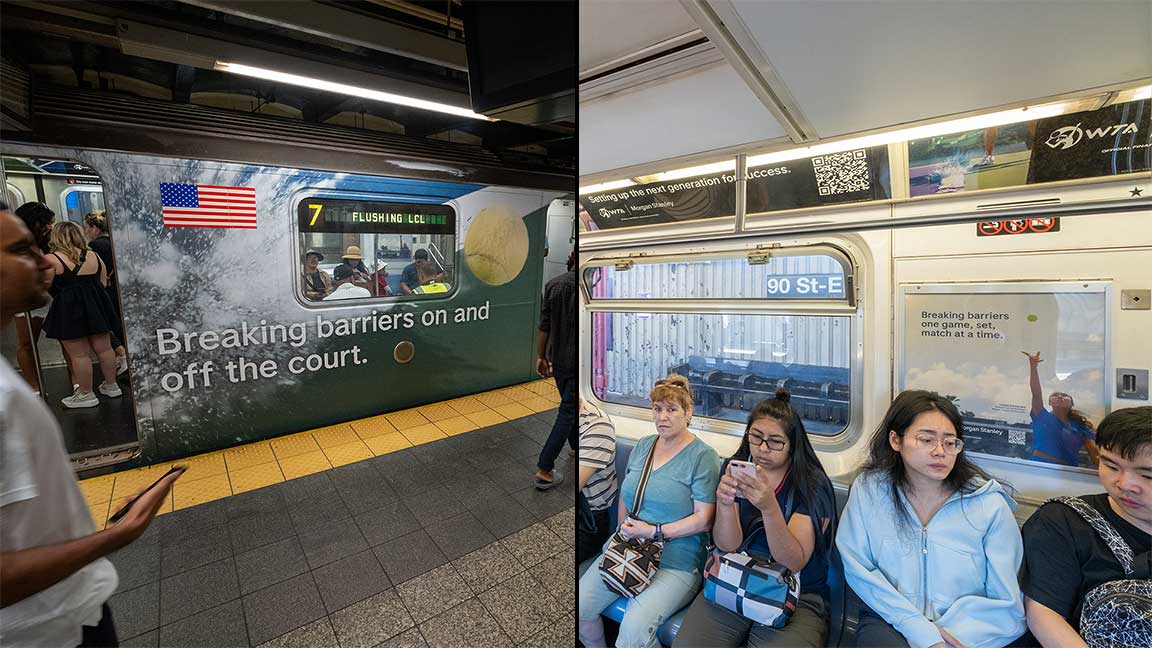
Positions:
{"x": 928, "y": 539}
{"x": 785, "y": 506}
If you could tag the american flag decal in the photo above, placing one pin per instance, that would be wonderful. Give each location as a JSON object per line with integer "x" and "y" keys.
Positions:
{"x": 188, "y": 205}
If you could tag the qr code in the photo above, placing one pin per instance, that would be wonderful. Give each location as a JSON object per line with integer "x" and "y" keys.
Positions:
{"x": 1016, "y": 437}
{"x": 841, "y": 173}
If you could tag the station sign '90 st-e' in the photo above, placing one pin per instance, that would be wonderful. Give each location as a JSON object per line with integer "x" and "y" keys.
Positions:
{"x": 361, "y": 216}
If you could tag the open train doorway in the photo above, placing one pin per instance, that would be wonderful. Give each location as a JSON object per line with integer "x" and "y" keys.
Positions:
{"x": 63, "y": 203}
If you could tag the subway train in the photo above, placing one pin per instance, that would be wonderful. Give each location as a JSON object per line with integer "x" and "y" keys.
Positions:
{"x": 211, "y": 228}
{"x": 851, "y": 271}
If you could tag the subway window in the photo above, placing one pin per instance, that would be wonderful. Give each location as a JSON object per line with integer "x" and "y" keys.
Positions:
{"x": 723, "y": 324}
{"x": 363, "y": 249}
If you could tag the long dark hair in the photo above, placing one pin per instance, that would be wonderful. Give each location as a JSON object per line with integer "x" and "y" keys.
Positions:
{"x": 903, "y": 411}
{"x": 38, "y": 219}
{"x": 810, "y": 481}
{"x": 1074, "y": 415}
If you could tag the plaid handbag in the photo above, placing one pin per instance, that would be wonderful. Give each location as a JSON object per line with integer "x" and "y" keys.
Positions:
{"x": 628, "y": 566}
{"x": 756, "y": 588}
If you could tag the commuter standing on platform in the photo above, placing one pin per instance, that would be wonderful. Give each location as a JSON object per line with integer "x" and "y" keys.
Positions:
{"x": 54, "y": 579}
{"x": 558, "y": 336}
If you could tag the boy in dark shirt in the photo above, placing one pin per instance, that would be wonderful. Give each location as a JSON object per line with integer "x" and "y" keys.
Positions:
{"x": 1064, "y": 557}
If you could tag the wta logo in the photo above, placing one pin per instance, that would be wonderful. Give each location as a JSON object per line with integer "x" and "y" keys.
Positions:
{"x": 1066, "y": 137}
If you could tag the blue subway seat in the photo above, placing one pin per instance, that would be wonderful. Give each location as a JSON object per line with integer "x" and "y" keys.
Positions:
{"x": 666, "y": 633}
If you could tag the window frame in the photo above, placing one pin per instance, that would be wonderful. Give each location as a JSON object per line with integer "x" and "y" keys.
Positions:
{"x": 335, "y": 194}
{"x": 847, "y": 306}
{"x": 15, "y": 192}
{"x": 71, "y": 189}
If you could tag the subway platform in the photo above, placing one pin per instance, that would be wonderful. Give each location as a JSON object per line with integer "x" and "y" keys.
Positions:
{"x": 432, "y": 539}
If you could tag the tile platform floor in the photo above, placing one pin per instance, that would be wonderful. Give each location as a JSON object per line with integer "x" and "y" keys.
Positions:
{"x": 445, "y": 543}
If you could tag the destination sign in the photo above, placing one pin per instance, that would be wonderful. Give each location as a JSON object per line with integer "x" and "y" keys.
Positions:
{"x": 806, "y": 286}
{"x": 359, "y": 216}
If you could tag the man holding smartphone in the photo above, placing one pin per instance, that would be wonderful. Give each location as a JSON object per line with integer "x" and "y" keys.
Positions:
{"x": 54, "y": 578}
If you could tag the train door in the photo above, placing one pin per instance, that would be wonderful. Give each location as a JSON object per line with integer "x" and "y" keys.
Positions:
{"x": 561, "y": 237}
{"x": 71, "y": 198}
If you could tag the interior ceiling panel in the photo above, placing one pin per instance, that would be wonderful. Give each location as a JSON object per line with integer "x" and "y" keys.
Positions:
{"x": 702, "y": 111}
{"x": 610, "y": 29}
{"x": 856, "y": 66}
{"x": 851, "y": 66}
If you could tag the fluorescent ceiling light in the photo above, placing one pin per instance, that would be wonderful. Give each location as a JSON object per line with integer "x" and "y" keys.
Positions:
{"x": 340, "y": 88}
{"x": 1134, "y": 94}
{"x": 917, "y": 132}
{"x": 704, "y": 169}
{"x": 606, "y": 186}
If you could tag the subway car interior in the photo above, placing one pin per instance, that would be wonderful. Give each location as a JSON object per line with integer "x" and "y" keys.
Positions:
{"x": 849, "y": 200}
{"x": 329, "y": 226}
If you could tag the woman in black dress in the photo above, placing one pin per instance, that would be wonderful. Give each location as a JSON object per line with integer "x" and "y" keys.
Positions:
{"x": 96, "y": 230}
{"x": 81, "y": 315}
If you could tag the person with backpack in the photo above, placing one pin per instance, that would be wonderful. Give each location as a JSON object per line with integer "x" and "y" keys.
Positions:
{"x": 1088, "y": 559}
{"x": 783, "y": 516}
{"x": 928, "y": 539}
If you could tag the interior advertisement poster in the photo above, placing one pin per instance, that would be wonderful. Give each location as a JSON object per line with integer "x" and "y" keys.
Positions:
{"x": 683, "y": 199}
{"x": 1110, "y": 141}
{"x": 835, "y": 178}
{"x": 1025, "y": 364}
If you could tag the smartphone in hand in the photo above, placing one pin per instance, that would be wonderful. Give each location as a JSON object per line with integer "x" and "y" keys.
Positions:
{"x": 123, "y": 511}
{"x": 745, "y": 468}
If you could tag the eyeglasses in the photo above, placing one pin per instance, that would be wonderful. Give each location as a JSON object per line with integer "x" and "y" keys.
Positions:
{"x": 755, "y": 441}
{"x": 951, "y": 445}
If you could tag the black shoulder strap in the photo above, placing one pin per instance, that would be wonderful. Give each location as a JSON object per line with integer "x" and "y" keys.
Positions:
{"x": 1106, "y": 531}
{"x": 643, "y": 482}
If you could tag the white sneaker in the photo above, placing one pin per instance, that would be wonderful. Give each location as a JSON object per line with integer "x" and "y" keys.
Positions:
{"x": 121, "y": 365}
{"x": 988, "y": 161}
{"x": 111, "y": 390}
{"x": 80, "y": 399}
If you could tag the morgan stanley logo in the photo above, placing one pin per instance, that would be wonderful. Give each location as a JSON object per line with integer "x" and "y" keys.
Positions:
{"x": 1066, "y": 137}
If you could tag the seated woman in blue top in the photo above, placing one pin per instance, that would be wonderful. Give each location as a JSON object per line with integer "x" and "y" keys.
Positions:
{"x": 788, "y": 473}
{"x": 928, "y": 539}
{"x": 1058, "y": 435}
{"x": 678, "y": 504}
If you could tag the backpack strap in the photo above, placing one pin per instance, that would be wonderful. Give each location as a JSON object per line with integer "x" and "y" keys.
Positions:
{"x": 1106, "y": 531}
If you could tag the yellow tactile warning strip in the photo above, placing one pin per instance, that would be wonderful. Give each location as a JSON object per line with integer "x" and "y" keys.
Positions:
{"x": 216, "y": 475}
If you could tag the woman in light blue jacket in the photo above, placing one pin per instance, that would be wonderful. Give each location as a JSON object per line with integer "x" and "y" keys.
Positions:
{"x": 928, "y": 539}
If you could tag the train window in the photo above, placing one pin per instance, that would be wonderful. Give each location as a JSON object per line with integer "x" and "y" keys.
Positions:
{"x": 79, "y": 201}
{"x": 359, "y": 249}
{"x": 14, "y": 196}
{"x": 809, "y": 276}
{"x": 732, "y": 362}
{"x": 739, "y": 325}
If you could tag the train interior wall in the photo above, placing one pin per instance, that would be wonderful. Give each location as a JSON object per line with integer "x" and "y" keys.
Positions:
{"x": 1113, "y": 249}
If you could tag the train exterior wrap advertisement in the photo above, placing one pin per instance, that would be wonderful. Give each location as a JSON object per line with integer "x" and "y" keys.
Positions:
{"x": 837, "y": 178}
{"x": 1110, "y": 141}
{"x": 225, "y": 347}
{"x": 1026, "y": 366}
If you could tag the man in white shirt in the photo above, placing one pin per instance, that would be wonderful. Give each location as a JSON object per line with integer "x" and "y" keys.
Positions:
{"x": 54, "y": 579}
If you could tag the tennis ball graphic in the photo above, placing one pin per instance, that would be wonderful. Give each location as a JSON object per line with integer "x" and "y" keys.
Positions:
{"x": 496, "y": 246}
{"x": 1032, "y": 318}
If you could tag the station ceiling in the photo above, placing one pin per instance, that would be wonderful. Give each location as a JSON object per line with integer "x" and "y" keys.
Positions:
{"x": 681, "y": 81}
{"x": 168, "y": 49}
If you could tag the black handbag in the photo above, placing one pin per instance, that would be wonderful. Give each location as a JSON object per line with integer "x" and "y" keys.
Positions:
{"x": 628, "y": 566}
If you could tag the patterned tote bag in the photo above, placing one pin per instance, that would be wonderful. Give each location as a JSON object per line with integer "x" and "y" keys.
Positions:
{"x": 628, "y": 566}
